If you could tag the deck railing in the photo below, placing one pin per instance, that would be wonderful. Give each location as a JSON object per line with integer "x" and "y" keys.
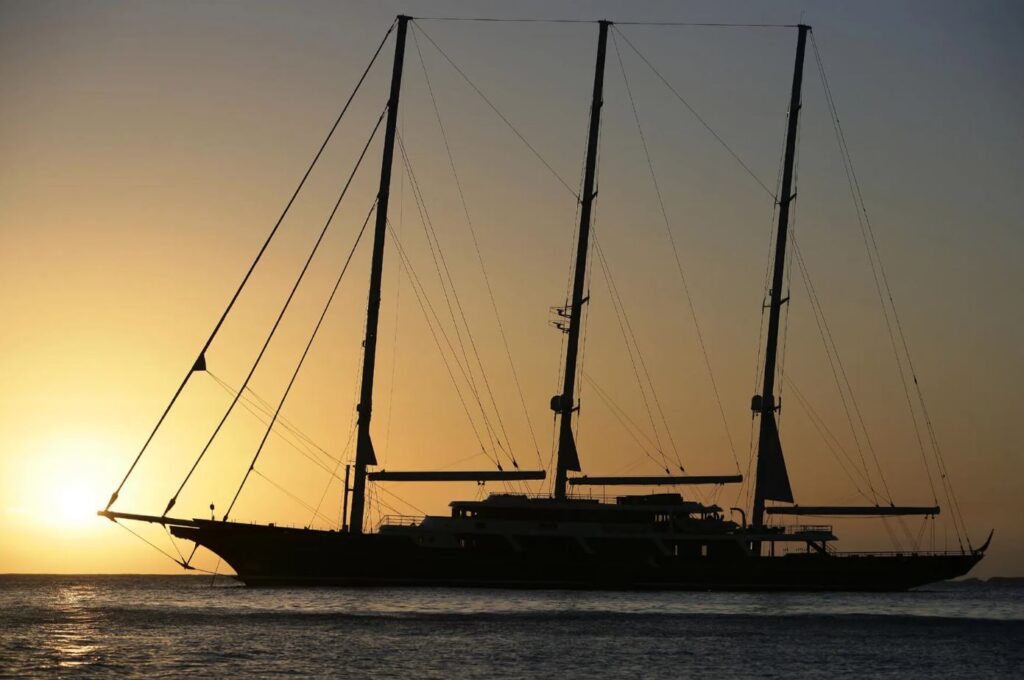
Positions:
{"x": 400, "y": 521}
{"x": 800, "y": 528}
{"x": 898, "y": 553}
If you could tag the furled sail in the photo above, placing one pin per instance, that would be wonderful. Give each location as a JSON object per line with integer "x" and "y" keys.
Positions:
{"x": 567, "y": 455}
{"x": 365, "y": 448}
{"x": 772, "y": 475}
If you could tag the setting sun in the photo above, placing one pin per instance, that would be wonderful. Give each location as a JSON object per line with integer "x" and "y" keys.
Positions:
{"x": 60, "y": 487}
{"x": 75, "y": 503}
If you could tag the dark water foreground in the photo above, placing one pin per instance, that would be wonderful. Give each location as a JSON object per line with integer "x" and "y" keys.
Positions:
{"x": 145, "y": 625}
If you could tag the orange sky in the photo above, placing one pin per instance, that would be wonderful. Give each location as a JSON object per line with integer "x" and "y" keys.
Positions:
{"x": 148, "y": 148}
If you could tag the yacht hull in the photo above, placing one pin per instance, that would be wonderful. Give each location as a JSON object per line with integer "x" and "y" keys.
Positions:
{"x": 263, "y": 555}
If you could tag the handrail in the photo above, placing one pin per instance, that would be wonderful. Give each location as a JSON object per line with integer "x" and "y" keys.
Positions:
{"x": 400, "y": 520}
{"x": 799, "y": 528}
{"x": 897, "y": 553}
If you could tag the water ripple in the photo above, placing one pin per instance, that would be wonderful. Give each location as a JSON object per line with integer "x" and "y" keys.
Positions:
{"x": 170, "y": 626}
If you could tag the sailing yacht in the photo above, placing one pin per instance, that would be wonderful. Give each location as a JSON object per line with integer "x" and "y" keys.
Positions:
{"x": 658, "y": 540}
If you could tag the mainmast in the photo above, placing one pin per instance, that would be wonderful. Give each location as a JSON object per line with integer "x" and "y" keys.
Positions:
{"x": 364, "y": 447}
{"x": 772, "y": 481}
{"x": 564, "y": 404}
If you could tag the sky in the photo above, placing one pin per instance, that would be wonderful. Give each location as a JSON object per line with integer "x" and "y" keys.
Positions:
{"x": 148, "y": 148}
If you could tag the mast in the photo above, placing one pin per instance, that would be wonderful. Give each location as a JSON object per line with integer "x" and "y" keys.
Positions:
{"x": 364, "y": 447}
{"x": 563, "y": 404}
{"x": 772, "y": 482}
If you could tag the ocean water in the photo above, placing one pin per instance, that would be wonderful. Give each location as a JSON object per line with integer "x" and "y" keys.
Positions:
{"x": 178, "y": 625}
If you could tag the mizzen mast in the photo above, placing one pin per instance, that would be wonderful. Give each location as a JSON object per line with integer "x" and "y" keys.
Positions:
{"x": 772, "y": 482}
{"x": 564, "y": 404}
{"x": 364, "y": 446}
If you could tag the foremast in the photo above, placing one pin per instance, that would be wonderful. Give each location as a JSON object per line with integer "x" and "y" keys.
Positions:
{"x": 772, "y": 480}
{"x": 564, "y": 404}
{"x": 364, "y": 446}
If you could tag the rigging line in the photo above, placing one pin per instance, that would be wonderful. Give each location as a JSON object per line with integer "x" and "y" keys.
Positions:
{"x": 551, "y": 456}
{"x": 306, "y": 453}
{"x": 868, "y": 232}
{"x": 628, "y": 424}
{"x": 748, "y": 488}
{"x": 495, "y": 109}
{"x": 907, "y": 533}
{"x": 797, "y": 252}
{"x": 636, "y": 429}
{"x": 449, "y": 466}
{"x": 431, "y": 317}
{"x": 926, "y": 522}
{"x": 892, "y": 536}
{"x": 479, "y": 254}
{"x": 620, "y": 309}
{"x": 463, "y": 363}
{"x": 831, "y": 441}
{"x": 379, "y": 500}
{"x": 438, "y": 256}
{"x": 950, "y": 495}
{"x": 170, "y": 539}
{"x": 330, "y": 481}
{"x": 838, "y": 369}
{"x": 675, "y": 253}
{"x": 696, "y": 115}
{"x": 373, "y": 503}
{"x": 303, "y": 452}
{"x": 854, "y": 194}
{"x": 448, "y": 283}
{"x": 216, "y": 568}
{"x": 348, "y": 444}
{"x": 380, "y": 503}
{"x": 462, "y": 357}
{"x": 839, "y": 362}
{"x": 200, "y": 360}
{"x": 263, "y": 416}
{"x": 305, "y": 352}
{"x": 626, "y": 328}
{"x": 630, "y": 348}
{"x": 295, "y": 498}
{"x": 280, "y": 316}
{"x": 264, "y": 406}
{"x": 381, "y": 487}
{"x": 153, "y": 545}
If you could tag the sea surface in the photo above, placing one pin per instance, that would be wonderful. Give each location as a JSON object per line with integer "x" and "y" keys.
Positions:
{"x": 177, "y": 625}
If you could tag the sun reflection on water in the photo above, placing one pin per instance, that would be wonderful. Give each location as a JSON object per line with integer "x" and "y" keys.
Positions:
{"x": 73, "y": 637}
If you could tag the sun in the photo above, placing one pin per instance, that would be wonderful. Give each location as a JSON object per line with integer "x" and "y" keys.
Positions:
{"x": 75, "y": 503}
{"x": 60, "y": 484}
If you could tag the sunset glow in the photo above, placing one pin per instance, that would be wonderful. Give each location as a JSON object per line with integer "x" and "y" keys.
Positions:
{"x": 151, "y": 147}
{"x": 61, "y": 488}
